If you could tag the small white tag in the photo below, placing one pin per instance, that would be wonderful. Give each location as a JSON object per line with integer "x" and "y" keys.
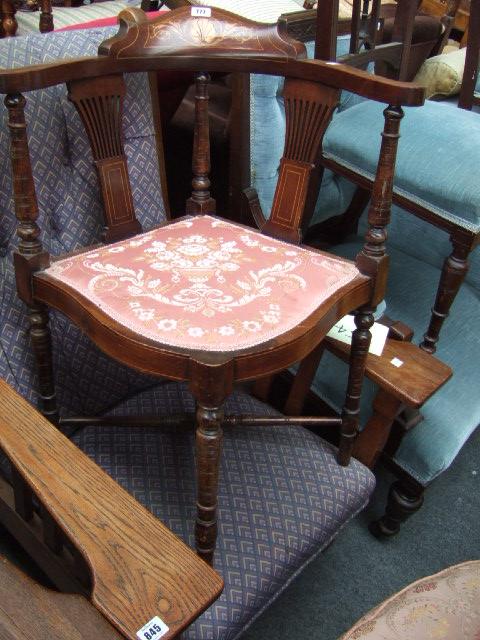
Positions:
{"x": 154, "y": 629}
{"x": 201, "y": 12}
{"x": 396, "y": 362}
{"x": 346, "y": 326}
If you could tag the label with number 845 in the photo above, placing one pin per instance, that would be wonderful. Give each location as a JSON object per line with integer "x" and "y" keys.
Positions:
{"x": 154, "y": 629}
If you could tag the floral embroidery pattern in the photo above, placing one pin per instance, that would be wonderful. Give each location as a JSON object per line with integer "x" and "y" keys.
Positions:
{"x": 441, "y": 606}
{"x": 205, "y": 283}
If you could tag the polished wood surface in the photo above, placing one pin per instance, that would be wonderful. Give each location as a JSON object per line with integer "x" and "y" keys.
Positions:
{"x": 138, "y": 568}
{"x": 220, "y": 43}
{"x": 467, "y": 93}
{"x": 27, "y": 607}
{"x": 414, "y": 382}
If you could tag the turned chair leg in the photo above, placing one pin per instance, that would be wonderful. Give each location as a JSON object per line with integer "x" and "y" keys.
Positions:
{"x": 404, "y": 499}
{"x": 454, "y": 270}
{"x": 209, "y": 439}
{"x": 42, "y": 348}
{"x": 358, "y": 357}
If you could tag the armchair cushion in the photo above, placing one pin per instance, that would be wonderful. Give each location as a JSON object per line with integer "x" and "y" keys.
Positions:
{"x": 67, "y": 16}
{"x": 442, "y": 75}
{"x": 205, "y": 283}
{"x": 437, "y": 143}
{"x": 282, "y": 496}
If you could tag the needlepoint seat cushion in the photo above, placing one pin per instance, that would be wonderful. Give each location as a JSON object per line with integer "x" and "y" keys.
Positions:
{"x": 429, "y": 168}
{"x": 444, "y": 605}
{"x": 282, "y": 495}
{"x": 205, "y": 283}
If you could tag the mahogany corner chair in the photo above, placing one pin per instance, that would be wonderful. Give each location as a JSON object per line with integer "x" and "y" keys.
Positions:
{"x": 201, "y": 299}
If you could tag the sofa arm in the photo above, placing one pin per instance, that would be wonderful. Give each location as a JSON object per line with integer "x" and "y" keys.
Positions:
{"x": 139, "y": 568}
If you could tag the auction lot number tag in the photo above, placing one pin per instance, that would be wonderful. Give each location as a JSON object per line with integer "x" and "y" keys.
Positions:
{"x": 201, "y": 12}
{"x": 154, "y": 629}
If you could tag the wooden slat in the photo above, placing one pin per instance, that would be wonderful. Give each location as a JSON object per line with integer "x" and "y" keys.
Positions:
{"x": 28, "y": 609}
{"x": 420, "y": 375}
{"x": 140, "y": 569}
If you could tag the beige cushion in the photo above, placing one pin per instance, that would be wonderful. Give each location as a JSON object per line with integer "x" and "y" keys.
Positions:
{"x": 445, "y": 606}
{"x": 442, "y": 75}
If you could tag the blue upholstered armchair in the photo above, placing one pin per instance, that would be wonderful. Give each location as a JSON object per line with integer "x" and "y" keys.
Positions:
{"x": 437, "y": 162}
{"x": 282, "y": 495}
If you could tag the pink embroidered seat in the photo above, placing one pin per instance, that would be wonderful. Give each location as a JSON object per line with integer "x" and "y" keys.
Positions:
{"x": 205, "y": 283}
{"x": 200, "y": 299}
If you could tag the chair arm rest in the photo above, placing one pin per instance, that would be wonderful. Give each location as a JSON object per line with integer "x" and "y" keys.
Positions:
{"x": 139, "y": 568}
{"x": 418, "y": 377}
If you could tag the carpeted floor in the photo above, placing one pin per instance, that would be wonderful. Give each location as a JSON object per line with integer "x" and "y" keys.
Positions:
{"x": 358, "y": 571}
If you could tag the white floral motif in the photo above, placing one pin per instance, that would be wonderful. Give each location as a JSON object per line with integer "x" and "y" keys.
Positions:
{"x": 193, "y": 250}
{"x": 167, "y": 324}
{"x": 272, "y": 316}
{"x": 249, "y": 241}
{"x": 146, "y": 314}
{"x": 177, "y": 284}
{"x": 226, "y": 330}
{"x": 195, "y": 332}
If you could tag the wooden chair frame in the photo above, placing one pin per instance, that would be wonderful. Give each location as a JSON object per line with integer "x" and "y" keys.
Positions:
{"x": 210, "y": 375}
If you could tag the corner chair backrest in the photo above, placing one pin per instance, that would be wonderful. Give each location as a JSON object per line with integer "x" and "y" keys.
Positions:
{"x": 179, "y": 40}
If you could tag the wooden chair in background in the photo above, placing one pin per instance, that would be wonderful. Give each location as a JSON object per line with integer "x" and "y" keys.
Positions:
{"x": 423, "y": 197}
{"x": 468, "y": 95}
{"x": 431, "y": 146}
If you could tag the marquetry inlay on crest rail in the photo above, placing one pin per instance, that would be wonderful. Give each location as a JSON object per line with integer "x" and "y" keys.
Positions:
{"x": 220, "y": 32}
{"x": 99, "y": 102}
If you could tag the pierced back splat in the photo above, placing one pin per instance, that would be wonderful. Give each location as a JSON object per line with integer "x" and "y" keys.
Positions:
{"x": 308, "y": 108}
{"x": 99, "y": 102}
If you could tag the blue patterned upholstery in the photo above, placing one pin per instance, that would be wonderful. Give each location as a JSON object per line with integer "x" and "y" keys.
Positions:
{"x": 282, "y": 497}
{"x": 437, "y": 146}
{"x": 28, "y": 21}
{"x": 417, "y": 250}
{"x": 70, "y": 216}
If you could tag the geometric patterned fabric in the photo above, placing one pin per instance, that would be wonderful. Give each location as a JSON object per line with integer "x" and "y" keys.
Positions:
{"x": 282, "y": 496}
{"x": 205, "y": 283}
{"x": 70, "y": 217}
{"x": 66, "y": 16}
